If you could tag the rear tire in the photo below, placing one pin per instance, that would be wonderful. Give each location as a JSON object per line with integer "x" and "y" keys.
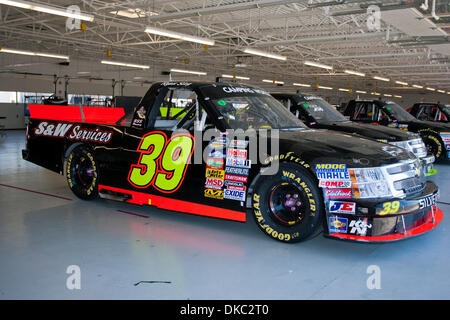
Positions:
{"x": 288, "y": 206}
{"x": 82, "y": 173}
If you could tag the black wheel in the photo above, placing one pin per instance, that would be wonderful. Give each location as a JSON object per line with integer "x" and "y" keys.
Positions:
{"x": 434, "y": 145}
{"x": 82, "y": 173}
{"x": 288, "y": 206}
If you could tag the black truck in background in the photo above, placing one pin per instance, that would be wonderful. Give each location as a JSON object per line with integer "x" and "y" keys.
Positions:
{"x": 317, "y": 113}
{"x": 435, "y": 135}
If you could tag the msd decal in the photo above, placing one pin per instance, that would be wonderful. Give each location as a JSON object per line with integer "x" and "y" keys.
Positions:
{"x": 61, "y": 130}
{"x": 338, "y": 193}
{"x": 342, "y": 207}
{"x": 333, "y": 184}
{"x": 212, "y": 183}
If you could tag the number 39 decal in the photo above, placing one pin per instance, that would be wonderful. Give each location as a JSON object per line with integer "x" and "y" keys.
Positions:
{"x": 163, "y": 162}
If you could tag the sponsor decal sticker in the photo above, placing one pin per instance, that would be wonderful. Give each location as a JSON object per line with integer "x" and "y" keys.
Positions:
{"x": 234, "y": 195}
{"x": 338, "y": 193}
{"x": 342, "y": 207}
{"x": 236, "y": 178}
{"x": 212, "y": 183}
{"x": 236, "y": 188}
{"x": 332, "y": 184}
{"x": 215, "y": 173}
{"x": 237, "y": 153}
{"x": 446, "y": 138}
{"x": 216, "y": 153}
{"x": 338, "y": 225}
{"x": 332, "y": 171}
{"x": 213, "y": 193}
{"x": 233, "y": 183}
{"x": 242, "y": 144}
{"x": 359, "y": 227}
{"x": 238, "y": 162}
{"x": 214, "y": 163}
{"x": 61, "y": 130}
{"x": 237, "y": 171}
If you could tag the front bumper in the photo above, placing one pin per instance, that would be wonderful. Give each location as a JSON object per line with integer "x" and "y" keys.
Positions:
{"x": 374, "y": 223}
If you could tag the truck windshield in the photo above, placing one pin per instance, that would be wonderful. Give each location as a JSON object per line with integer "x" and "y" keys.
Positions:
{"x": 397, "y": 112}
{"x": 321, "y": 110}
{"x": 255, "y": 112}
{"x": 446, "y": 110}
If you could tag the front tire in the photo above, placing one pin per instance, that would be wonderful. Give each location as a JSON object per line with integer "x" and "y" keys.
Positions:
{"x": 82, "y": 173}
{"x": 288, "y": 206}
{"x": 434, "y": 145}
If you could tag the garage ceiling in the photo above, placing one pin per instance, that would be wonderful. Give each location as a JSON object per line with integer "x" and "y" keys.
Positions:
{"x": 410, "y": 45}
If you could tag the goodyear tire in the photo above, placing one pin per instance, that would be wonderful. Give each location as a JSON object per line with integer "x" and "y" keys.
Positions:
{"x": 82, "y": 173}
{"x": 434, "y": 145}
{"x": 288, "y": 206}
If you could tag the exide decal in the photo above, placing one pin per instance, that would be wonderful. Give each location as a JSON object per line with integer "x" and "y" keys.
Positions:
{"x": 61, "y": 130}
{"x": 338, "y": 193}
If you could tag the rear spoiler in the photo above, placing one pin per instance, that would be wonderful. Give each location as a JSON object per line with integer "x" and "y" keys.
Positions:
{"x": 95, "y": 115}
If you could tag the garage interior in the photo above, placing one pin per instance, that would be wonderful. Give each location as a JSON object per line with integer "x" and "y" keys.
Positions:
{"x": 339, "y": 50}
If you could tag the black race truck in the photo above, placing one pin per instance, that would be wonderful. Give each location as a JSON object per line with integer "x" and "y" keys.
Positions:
{"x": 190, "y": 147}
{"x": 430, "y": 111}
{"x": 315, "y": 112}
{"x": 436, "y": 136}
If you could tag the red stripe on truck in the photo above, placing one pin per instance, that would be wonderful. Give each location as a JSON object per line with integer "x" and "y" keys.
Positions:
{"x": 95, "y": 115}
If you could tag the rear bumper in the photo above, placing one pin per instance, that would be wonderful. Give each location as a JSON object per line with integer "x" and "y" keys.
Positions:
{"x": 413, "y": 217}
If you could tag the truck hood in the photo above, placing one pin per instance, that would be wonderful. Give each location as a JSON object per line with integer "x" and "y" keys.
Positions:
{"x": 436, "y": 126}
{"x": 326, "y": 146}
{"x": 371, "y": 131}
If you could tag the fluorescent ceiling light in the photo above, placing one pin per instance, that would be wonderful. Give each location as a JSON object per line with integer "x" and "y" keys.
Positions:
{"x": 125, "y": 64}
{"x": 179, "y": 36}
{"x": 33, "y": 53}
{"x": 355, "y": 73}
{"x": 273, "y": 81}
{"x": 402, "y": 83}
{"x": 430, "y": 89}
{"x": 381, "y": 78}
{"x": 47, "y": 9}
{"x": 301, "y": 84}
{"x": 417, "y": 86}
{"x": 441, "y": 91}
{"x": 318, "y": 65}
{"x": 375, "y": 93}
{"x": 342, "y": 89}
{"x": 265, "y": 54}
{"x": 360, "y": 91}
{"x": 397, "y": 96}
{"x": 200, "y": 73}
{"x": 235, "y": 77}
{"x": 134, "y": 13}
{"x": 323, "y": 87}
{"x": 387, "y": 95}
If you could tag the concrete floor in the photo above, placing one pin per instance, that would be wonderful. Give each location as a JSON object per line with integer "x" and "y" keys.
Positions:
{"x": 195, "y": 257}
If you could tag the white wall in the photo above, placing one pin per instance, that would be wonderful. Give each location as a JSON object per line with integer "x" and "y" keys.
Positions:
{"x": 14, "y": 113}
